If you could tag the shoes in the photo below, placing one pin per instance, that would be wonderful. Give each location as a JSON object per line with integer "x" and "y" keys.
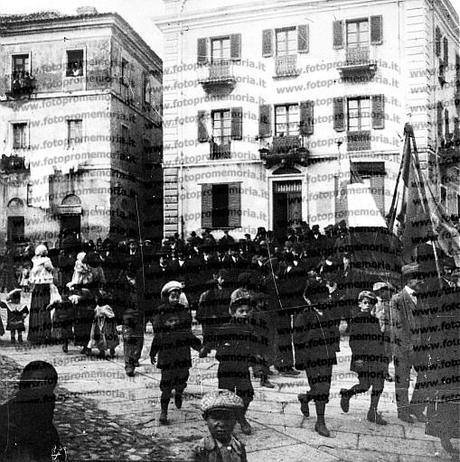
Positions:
{"x": 178, "y": 400}
{"x": 405, "y": 417}
{"x": 376, "y": 417}
{"x": 85, "y": 351}
{"x": 344, "y": 400}
{"x": 163, "y": 417}
{"x": 322, "y": 430}
{"x": 304, "y": 409}
{"x": 112, "y": 353}
{"x": 65, "y": 348}
{"x": 289, "y": 371}
{"x": 420, "y": 416}
{"x": 264, "y": 382}
{"x": 130, "y": 371}
{"x": 245, "y": 426}
{"x": 13, "y": 340}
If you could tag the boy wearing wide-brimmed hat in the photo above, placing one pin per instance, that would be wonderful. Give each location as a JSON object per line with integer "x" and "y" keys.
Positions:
{"x": 16, "y": 314}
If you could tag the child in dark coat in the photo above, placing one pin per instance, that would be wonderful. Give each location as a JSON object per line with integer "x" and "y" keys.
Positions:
{"x": 16, "y": 314}
{"x": 172, "y": 344}
{"x": 368, "y": 359}
{"x": 63, "y": 318}
{"x": 238, "y": 349}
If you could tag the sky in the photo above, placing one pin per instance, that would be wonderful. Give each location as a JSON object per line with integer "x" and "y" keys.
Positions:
{"x": 140, "y": 14}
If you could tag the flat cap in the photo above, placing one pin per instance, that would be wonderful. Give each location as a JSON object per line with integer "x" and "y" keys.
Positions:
{"x": 410, "y": 269}
{"x": 367, "y": 294}
{"x": 221, "y": 399}
{"x": 169, "y": 287}
{"x": 13, "y": 294}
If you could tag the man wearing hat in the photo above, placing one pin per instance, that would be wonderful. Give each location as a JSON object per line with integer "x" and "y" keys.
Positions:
{"x": 407, "y": 312}
{"x": 220, "y": 410}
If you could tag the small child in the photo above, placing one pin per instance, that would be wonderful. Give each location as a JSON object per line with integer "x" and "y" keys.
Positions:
{"x": 220, "y": 410}
{"x": 368, "y": 359}
{"x": 24, "y": 279}
{"x": 62, "y": 318}
{"x": 236, "y": 351}
{"x": 104, "y": 334}
{"x": 81, "y": 272}
{"x": 16, "y": 314}
{"x": 172, "y": 344}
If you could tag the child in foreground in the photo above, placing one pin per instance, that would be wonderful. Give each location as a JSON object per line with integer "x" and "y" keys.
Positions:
{"x": 172, "y": 344}
{"x": 220, "y": 410}
{"x": 16, "y": 314}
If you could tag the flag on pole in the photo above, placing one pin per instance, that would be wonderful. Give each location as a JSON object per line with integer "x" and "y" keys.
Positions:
{"x": 415, "y": 217}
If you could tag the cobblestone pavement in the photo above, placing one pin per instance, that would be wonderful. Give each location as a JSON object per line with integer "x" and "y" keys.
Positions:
{"x": 103, "y": 415}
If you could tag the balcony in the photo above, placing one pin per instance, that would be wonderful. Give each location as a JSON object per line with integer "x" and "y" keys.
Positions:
{"x": 220, "y": 151}
{"x": 286, "y": 66}
{"x": 284, "y": 150}
{"x": 13, "y": 164}
{"x": 217, "y": 76}
{"x": 358, "y": 64}
{"x": 21, "y": 85}
{"x": 359, "y": 140}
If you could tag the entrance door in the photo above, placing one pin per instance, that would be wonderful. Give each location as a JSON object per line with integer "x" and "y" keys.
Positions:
{"x": 287, "y": 206}
{"x": 71, "y": 224}
{"x": 15, "y": 229}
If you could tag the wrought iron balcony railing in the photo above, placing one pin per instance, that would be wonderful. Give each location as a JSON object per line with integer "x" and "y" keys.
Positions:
{"x": 286, "y": 66}
{"x": 359, "y": 140}
{"x": 358, "y": 61}
{"x": 220, "y": 151}
{"x": 284, "y": 150}
{"x": 217, "y": 75}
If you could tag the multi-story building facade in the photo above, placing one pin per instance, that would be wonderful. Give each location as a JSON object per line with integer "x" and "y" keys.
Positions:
{"x": 81, "y": 140}
{"x": 269, "y": 106}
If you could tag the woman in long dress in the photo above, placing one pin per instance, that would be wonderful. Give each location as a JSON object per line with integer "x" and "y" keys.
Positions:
{"x": 41, "y": 276}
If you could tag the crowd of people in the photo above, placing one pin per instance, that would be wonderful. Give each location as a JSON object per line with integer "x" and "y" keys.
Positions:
{"x": 263, "y": 304}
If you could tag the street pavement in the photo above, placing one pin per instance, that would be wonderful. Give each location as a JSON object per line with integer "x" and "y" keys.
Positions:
{"x": 101, "y": 414}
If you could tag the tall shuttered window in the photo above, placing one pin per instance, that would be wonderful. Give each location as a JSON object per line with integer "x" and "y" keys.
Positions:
{"x": 287, "y": 120}
{"x": 286, "y": 41}
{"x": 358, "y": 34}
{"x": 359, "y": 114}
{"x": 221, "y": 206}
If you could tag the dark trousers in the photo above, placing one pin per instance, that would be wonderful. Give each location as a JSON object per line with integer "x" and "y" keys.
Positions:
{"x": 367, "y": 380}
{"x": 173, "y": 379}
{"x": 319, "y": 379}
{"x": 236, "y": 379}
{"x": 284, "y": 358}
{"x": 403, "y": 365}
{"x": 133, "y": 340}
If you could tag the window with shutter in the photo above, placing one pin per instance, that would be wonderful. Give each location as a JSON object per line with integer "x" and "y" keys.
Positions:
{"x": 303, "y": 38}
{"x": 306, "y": 117}
{"x": 235, "y": 47}
{"x": 376, "y": 30}
{"x": 358, "y": 33}
{"x": 206, "y": 206}
{"x": 203, "y": 134}
{"x": 237, "y": 123}
{"x": 439, "y": 120}
{"x": 264, "y": 120}
{"x": 234, "y": 205}
{"x": 359, "y": 116}
{"x": 202, "y": 51}
{"x": 446, "y": 52}
{"x": 220, "y": 205}
{"x": 446, "y": 125}
{"x": 337, "y": 36}
{"x": 220, "y": 50}
{"x": 267, "y": 43}
{"x": 378, "y": 111}
{"x": 287, "y": 120}
{"x": 286, "y": 41}
{"x": 438, "y": 41}
{"x": 339, "y": 114}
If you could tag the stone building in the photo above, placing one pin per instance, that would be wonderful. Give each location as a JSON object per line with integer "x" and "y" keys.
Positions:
{"x": 80, "y": 133}
{"x": 272, "y": 108}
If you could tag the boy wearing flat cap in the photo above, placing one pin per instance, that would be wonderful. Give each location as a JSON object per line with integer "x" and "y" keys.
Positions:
{"x": 368, "y": 358}
{"x": 220, "y": 409}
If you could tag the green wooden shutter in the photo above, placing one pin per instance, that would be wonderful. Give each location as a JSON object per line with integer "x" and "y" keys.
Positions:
{"x": 339, "y": 114}
{"x": 206, "y": 206}
{"x": 203, "y": 135}
{"x": 235, "y": 47}
{"x": 234, "y": 205}
{"x": 437, "y": 39}
{"x": 376, "y": 30}
{"x": 265, "y": 120}
{"x": 237, "y": 123}
{"x": 202, "y": 51}
{"x": 338, "y": 34}
{"x": 306, "y": 117}
{"x": 303, "y": 38}
{"x": 378, "y": 111}
{"x": 267, "y": 43}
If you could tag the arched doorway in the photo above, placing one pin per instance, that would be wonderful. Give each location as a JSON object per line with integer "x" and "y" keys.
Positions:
{"x": 15, "y": 221}
{"x": 70, "y": 216}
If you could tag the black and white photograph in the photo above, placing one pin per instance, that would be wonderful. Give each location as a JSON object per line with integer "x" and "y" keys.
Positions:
{"x": 230, "y": 231}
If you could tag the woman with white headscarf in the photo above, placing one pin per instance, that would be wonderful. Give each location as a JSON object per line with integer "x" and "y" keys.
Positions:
{"x": 41, "y": 276}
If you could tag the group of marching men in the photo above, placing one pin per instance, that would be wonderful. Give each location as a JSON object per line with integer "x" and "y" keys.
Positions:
{"x": 264, "y": 304}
